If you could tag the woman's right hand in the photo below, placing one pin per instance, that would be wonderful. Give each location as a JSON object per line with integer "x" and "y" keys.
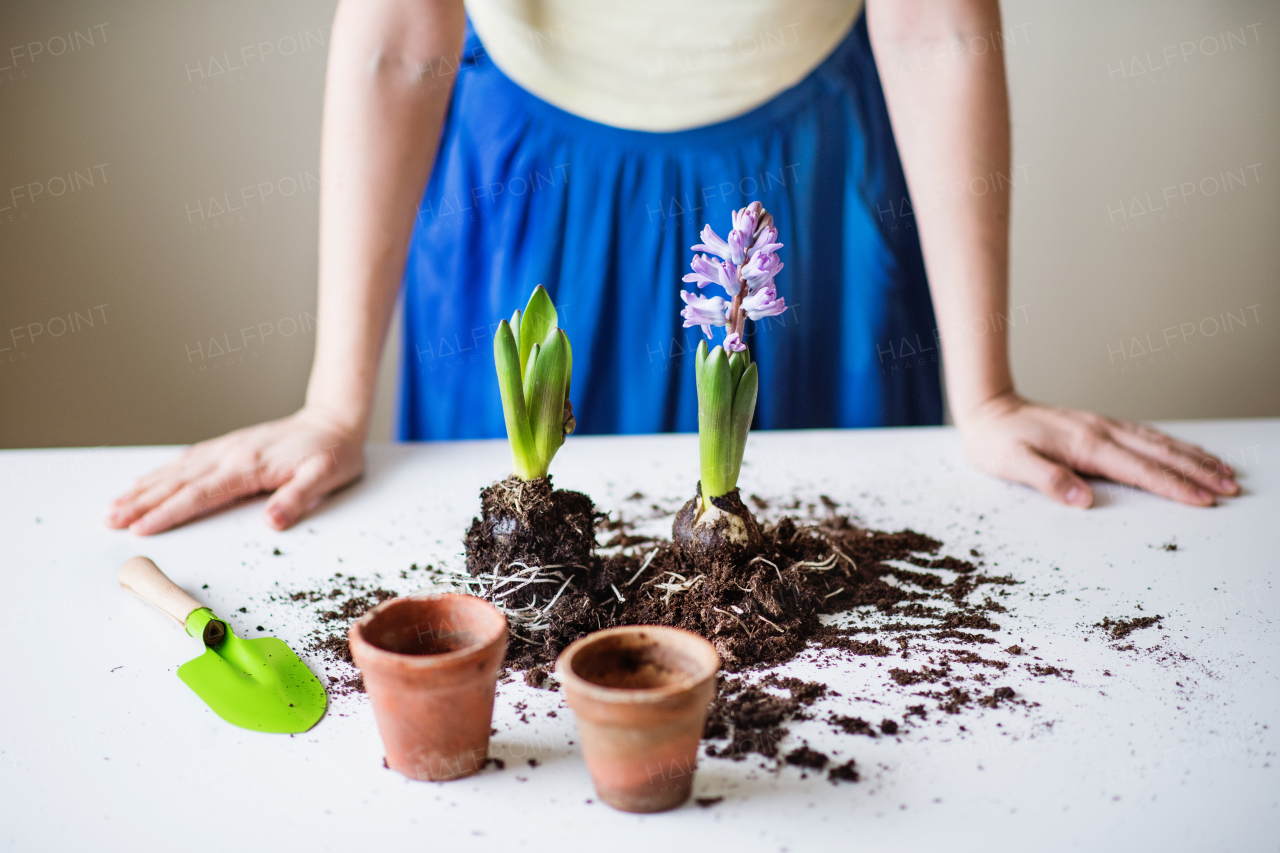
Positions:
{"x": 379, "y": 136}
{"x": 302, "y": 458}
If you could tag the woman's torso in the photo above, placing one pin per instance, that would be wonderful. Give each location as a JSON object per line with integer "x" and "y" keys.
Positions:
{"x": 524, "y": 192}
{"x": 660, "y": 65}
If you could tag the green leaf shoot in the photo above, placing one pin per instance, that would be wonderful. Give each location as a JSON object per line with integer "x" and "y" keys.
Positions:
{"x": 727, "y": 390}
{"x": 548, "y": 378}
{"x": 534, "y": 363}
{"x": 738, "y": 362}
{"x": 507, "y": 358}
{"x": 744, "y": 409}
{"x": 539, "y": 318}
{"x": 715, "y": 399}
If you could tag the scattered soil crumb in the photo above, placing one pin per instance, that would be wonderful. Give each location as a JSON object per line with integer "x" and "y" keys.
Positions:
{"x": 847, "y": 772}
{"x": 1043, "y": 669}
{"x": 1000, "y": 694}
{"x": 855, "y": 725}
{"x": 350, "y": 599}
{"x": 1121, "y": 628}
{"x": 537, "y": 677}
{"x": 807, "y": 757}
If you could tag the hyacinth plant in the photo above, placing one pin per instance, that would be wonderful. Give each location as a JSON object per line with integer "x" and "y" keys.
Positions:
{"x": 744, "y": 267}
{"x": 531, "y": 540}
{"x": 534, "y": 364}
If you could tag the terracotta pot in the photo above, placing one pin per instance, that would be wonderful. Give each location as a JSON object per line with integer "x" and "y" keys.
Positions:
{"x": 640, "y": 693}
{"x": 430, "y": 664}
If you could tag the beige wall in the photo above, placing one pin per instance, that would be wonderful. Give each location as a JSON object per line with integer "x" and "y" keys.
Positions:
{"x": 152, "y": 254}
{"x": 1164, "y": 308}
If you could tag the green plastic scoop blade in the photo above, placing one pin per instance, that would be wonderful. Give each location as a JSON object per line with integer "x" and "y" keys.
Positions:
{"x": 256, "y": 684}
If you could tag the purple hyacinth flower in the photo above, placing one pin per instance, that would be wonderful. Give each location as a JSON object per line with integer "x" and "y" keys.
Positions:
{"x": 764, "y": 303}
{"x": 766, "y": 240}
{"x": 746, "y": 266}
{"x": 738, "y": 243}
{"x": 707, "y": 271}
{"x": 744, "y": 221}
{"x": 712, "y": 243}
{"x": 704, "y": 312}
{"x": 765, "y": 221}
{"x": 760, "y": 270}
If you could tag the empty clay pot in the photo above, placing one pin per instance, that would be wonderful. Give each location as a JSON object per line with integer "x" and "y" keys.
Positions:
{"x": 430, "y": 665}
{"x": 640, "y": 693}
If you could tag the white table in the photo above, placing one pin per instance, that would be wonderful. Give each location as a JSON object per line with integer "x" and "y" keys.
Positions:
{"x": 103, "y": 748}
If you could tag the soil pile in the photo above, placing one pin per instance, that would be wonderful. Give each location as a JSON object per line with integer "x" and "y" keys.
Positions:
{"x": 816, "y": 584}
{"x": 767, "y": 611}
{"x": 884, "y": 593}
{"x": 751, "y": 718}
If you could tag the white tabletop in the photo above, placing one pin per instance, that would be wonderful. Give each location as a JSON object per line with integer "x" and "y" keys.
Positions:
{"x": 103, "y": 748}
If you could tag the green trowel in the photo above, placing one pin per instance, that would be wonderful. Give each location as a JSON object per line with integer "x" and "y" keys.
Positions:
{"x": 256, "y": 684}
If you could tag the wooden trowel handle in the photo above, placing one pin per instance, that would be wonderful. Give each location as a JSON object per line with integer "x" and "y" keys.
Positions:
{"x": 144, "y": 579}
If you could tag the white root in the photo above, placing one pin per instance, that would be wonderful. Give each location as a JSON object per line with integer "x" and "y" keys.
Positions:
{"x": 499, "y": 587}
{"x": 823, "y": 566}
{"x": 767, "y": 622}
{"x": 643, "y": 566}
{"x": 567, "y": 581}
{"x": 673, "y": 588}
{"x": 530, "y": 617}
{"x": 846, "y": 556}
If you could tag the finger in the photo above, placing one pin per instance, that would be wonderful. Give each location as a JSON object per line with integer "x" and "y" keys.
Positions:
{"x": 166, "y": 479}
{"x": 1108, "y": 459}
{"x": 125, "y": 510}
{"x": 308, "y": 486}
{"x": 193, "y": 500}
{"x": 1195, "y": 450}
{"x": 165, "y": 472}
{"x": 141, "y": 485}
{"x": 1191, "y": 462}
{"x": 1048, "y": 477}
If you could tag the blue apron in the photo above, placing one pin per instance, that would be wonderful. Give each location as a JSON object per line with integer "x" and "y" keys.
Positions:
{"x": 524, "y": 193}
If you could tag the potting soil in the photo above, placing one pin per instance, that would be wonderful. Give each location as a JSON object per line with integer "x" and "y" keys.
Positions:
{"x": 824, "y": 585}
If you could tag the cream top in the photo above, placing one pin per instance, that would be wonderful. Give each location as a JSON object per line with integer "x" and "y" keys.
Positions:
{"x": 660, "y": 65}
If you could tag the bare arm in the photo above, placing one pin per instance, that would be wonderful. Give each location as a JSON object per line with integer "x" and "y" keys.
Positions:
{"x": 383, "y": 111}
{"x": 950, "y": 116}
{"x": 384, "y": 107}
{"x": 942, "y": 70}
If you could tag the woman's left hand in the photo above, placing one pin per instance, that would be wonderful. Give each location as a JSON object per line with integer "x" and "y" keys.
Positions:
{"x": 1048, "y": 449}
